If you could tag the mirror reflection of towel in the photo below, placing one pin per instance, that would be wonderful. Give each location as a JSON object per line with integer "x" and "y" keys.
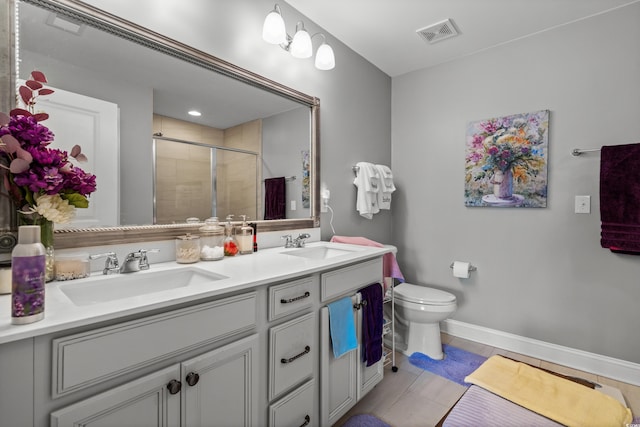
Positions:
{"x": 275, "y": 198}
{"x": 620, "y": 198}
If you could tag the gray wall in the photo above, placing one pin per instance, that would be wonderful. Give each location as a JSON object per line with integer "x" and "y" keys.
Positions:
{"x": 541, "y": 272}
{"x": 284, "y": 137}
{"x": 355, "y": 97}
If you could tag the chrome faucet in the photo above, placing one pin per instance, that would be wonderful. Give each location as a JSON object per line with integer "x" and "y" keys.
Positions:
{"x": 111, "y": 265}
{"x": 298, "y": 242}
{"x": 288, "y": 242}
{"x": 136, "y": 261}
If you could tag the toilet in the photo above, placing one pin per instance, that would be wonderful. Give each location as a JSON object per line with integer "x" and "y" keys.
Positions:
{"x": 418, "y": 312}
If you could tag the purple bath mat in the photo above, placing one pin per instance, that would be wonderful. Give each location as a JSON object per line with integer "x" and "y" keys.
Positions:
{"x": 365, "y": 420}
{"x": 455, "y": 366}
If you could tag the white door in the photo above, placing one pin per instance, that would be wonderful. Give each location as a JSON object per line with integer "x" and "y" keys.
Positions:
{"x": 94, "y": 125}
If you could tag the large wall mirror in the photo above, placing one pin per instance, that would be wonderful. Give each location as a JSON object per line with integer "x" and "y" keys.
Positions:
{"x": 159, "y": 165}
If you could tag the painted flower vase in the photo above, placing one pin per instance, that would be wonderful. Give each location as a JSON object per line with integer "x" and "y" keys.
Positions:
{"x": 46, "y": 238}
{"x": 503, "y": 184}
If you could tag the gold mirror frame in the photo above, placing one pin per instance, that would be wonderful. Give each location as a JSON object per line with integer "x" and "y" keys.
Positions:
{"x": 122, "y": 28}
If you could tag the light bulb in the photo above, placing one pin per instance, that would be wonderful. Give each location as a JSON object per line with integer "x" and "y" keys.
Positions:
{"x": 301, "y": 45}
{"x": 325, "y": 59}
{"x": 273, "y": 30}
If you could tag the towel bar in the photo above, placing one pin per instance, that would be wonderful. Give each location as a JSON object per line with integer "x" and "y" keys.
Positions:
{"x": 578, "y": 151}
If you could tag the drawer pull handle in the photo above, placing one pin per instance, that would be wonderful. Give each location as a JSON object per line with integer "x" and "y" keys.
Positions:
{"x": 307, "y": 420}
{"x": 290, "y": 300}
{"x": 174, "y": 386}
{"x": 192, "y": 378}
{"x": 307, "y": 349}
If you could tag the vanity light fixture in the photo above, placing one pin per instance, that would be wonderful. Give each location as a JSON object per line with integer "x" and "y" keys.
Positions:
{"x": 300, "y": 45}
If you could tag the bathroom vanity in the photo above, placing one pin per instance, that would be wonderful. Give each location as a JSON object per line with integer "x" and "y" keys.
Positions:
{"x": 241, "y": 342}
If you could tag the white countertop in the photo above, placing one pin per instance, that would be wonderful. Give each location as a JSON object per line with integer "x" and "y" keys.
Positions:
{"x": 241, "y": 272}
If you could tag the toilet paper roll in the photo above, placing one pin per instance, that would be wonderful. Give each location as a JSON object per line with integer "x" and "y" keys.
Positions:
{"x": 461, "y": 269}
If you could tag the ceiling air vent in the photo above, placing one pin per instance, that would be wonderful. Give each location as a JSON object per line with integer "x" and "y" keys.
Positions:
{"x": 437, "y": 32}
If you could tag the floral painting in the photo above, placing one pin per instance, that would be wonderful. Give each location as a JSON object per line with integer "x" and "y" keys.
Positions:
{"x": 306, "y": 184}
{"x": 506, "y": 161}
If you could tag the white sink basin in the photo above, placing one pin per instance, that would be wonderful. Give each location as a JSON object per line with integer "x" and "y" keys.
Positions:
{"x": 101, "y": 289}
{"x": 319, "y": 252}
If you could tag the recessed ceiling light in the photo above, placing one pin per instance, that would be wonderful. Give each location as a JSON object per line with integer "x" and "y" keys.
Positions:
{"x": 195, "y": 113}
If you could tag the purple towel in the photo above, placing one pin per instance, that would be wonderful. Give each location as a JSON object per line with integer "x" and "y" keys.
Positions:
{"x": 372, "y": 320}
{"x": 620, "y": 198}
{"x": 275, "y": 198}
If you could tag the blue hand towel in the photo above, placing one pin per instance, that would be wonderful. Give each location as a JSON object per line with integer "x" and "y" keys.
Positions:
{"x": 342, "y": 327}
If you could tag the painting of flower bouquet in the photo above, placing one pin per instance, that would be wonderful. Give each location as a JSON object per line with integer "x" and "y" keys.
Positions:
{"x": 506, "y": 161}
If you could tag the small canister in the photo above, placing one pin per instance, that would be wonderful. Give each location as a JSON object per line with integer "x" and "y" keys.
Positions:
{"x": 187, "y": 249}
{"x": 211, "y": 240}
{"x": 71, "y": 266}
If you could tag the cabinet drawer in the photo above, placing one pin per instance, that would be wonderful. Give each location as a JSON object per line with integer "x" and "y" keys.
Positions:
{"x": 347, "y": 279}
{"x": 291, "y": 297}
{"x": 85, "y": 359}
{"x": 295, "y": 409}
{"x": 292, "y": 352}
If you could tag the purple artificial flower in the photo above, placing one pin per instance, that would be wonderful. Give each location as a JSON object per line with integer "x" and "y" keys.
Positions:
{"x": 28, "y": 131}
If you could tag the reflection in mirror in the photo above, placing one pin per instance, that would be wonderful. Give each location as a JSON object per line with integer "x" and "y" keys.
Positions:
{"x": 142, "y": 82}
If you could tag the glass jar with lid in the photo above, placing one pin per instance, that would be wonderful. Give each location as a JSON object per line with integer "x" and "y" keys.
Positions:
{"x": 211, "y": 240}
{"x": 187, "y": 249}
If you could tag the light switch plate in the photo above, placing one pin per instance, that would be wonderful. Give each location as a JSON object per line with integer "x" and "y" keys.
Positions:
{"x": 583, "y": 204}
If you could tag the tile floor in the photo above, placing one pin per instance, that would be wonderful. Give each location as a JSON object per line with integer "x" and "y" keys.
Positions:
{"x": 413, "y": 397}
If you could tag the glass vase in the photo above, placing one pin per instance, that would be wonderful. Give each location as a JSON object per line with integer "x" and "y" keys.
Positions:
{"x": 46, "y": 238}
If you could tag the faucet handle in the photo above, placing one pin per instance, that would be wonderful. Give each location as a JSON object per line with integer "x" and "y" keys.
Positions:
{"x": 288, "y": 240}
{"x": 144, "y": 261}
{"x": 111, "y": 265}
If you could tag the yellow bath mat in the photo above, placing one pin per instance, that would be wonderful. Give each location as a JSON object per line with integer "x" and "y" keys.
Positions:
{"x": 556, "y": 398}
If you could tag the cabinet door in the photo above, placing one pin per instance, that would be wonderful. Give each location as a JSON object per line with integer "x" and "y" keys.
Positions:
{"x": 338, "y": 377}
{"x": 146, "y": 402}
{"x": 221, "y": 387}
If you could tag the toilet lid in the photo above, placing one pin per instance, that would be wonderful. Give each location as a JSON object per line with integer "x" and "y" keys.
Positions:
{"x": 423, "y": 294}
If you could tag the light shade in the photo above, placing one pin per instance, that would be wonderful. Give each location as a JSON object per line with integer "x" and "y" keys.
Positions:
{"x": 301, "y": 46}
{"x": 325, "y": 59}
{"x": 273, "y": 30}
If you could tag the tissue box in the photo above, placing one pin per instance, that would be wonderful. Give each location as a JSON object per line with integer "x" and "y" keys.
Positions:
{"x": 72, "y": 266}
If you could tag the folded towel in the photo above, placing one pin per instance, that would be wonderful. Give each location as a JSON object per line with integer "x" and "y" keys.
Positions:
{"x": 367, "y": 181}
{"x": 372, "y": 320}
{"x": 390, "y": 266}
{"x": 342, "y": 327}
{"x": 620, "y": 198}
{"x": 386, "y": 186}
{"x": 559, "y": 399}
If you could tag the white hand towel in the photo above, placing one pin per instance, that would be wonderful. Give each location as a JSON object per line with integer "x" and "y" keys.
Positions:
{"x": 368, "y": 184}
{"x": 386, "y": 186}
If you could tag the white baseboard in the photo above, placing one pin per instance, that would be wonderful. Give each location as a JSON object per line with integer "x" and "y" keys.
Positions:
{"x": 605, "y": 366}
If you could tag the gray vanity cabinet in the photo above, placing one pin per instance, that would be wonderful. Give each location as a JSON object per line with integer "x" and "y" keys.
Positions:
{"x": 345, "y": 380}
{"x": 216, "y": 389}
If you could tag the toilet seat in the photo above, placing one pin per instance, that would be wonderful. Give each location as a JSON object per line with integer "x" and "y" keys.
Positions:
{"x": 422, "y": 295}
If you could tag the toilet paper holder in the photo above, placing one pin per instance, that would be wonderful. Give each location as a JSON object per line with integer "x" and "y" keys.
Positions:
{"x": 471, "y": 267}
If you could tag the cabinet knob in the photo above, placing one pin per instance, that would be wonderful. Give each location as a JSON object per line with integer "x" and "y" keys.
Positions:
{"x": 307, "y": 420}
{"x": 174, "y": 386}
{"x": 192, "y": 378}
